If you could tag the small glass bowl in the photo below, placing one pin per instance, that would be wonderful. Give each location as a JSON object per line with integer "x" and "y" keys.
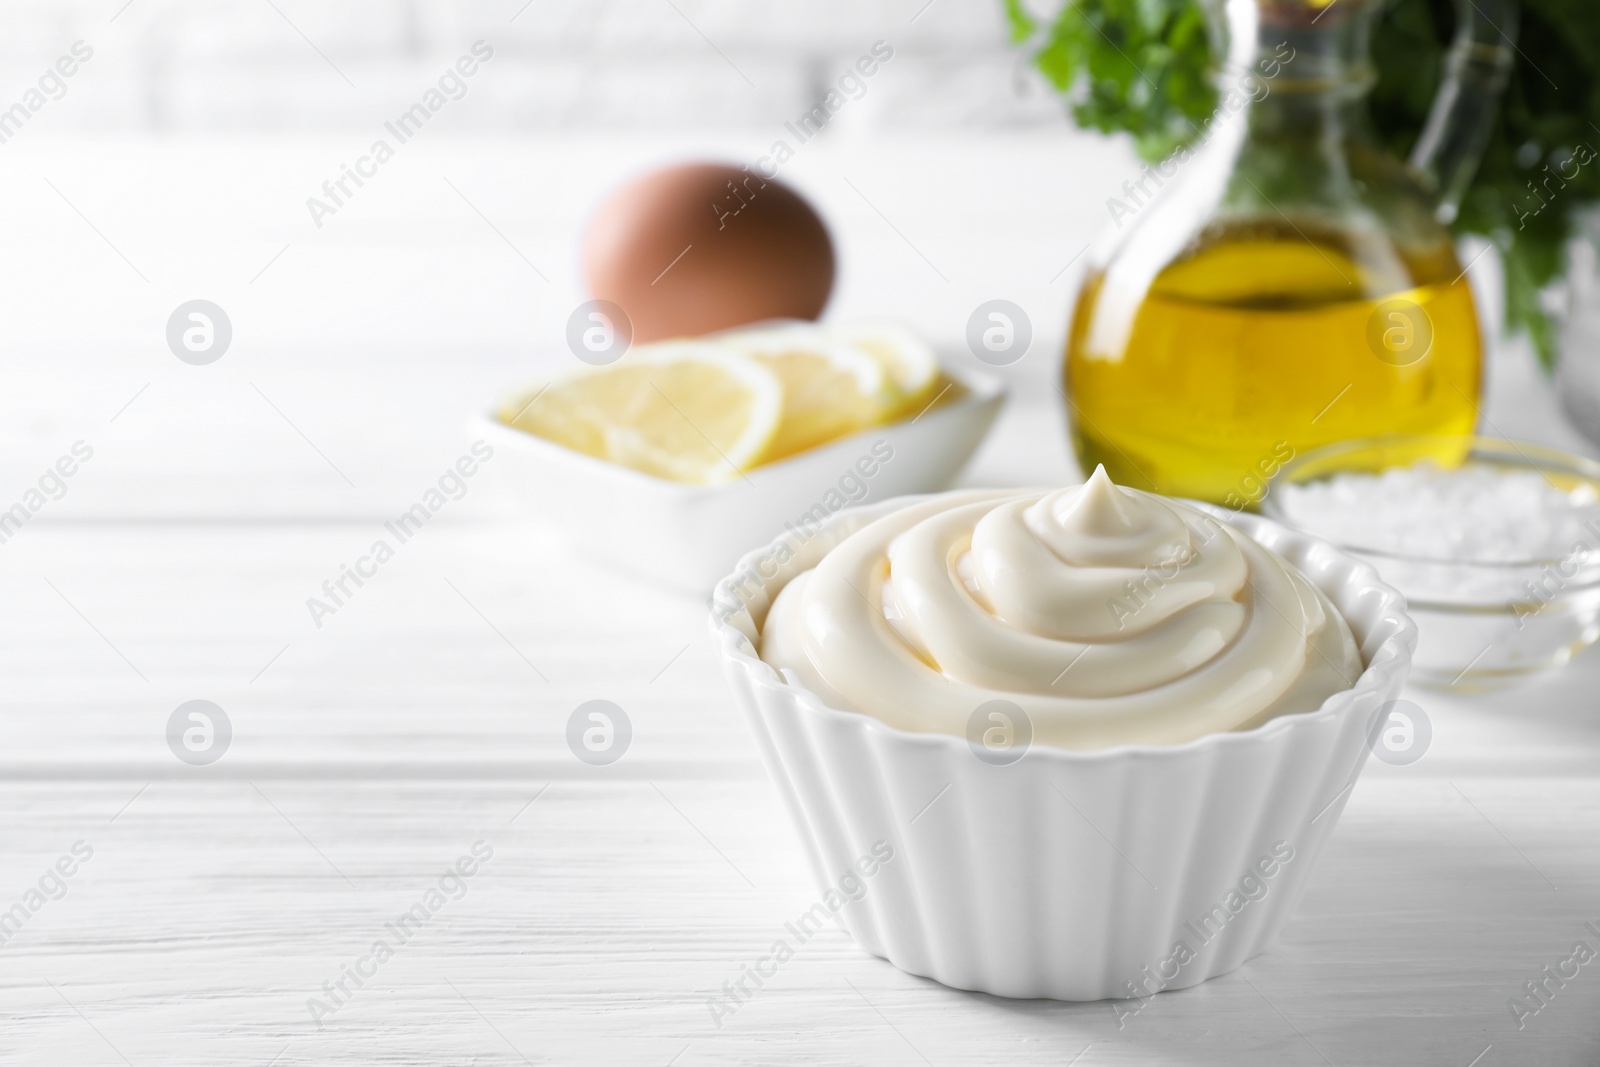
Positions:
{"x": 1483, "y": 623}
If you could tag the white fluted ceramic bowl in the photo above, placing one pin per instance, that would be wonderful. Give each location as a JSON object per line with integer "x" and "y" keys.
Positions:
{"x": 1073, "y": 875}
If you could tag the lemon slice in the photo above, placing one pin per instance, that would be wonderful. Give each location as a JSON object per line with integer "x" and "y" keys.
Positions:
{"x": 830, "y": 389}
{"x": 907, "y": 359}
{"x": 683, "y": 411}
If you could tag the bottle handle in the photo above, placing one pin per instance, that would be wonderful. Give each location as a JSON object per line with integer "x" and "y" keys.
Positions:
{"x": 1476, "y": 68}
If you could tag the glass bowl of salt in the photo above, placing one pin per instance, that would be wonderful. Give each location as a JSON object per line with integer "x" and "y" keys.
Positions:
{"x": 1495, "y": 544}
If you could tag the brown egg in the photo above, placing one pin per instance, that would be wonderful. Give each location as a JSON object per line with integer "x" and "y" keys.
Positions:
{"x": 704, "y": 246}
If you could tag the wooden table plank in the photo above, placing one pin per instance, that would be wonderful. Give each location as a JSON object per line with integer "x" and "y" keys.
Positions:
{"x": 610, "y": 911}
{"x": 109, "y": 629}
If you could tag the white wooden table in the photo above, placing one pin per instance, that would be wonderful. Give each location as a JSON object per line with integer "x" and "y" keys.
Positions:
{"x": 428, "y": 714}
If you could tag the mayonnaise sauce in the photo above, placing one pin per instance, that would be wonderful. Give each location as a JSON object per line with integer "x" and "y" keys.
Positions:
{"x": 1109, "y": 615}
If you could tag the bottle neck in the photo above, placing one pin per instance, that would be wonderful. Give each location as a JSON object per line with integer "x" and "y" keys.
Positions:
{"x": 1308, "y": 69}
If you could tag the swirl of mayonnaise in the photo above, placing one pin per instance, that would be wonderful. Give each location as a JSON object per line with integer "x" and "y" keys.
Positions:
{"x": 1109, "y": 615}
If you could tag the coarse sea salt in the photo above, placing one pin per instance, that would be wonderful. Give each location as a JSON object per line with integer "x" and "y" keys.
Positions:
{"x": 1476, "y": 513}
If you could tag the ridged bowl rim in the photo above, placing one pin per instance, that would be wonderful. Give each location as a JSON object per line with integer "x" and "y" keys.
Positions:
{"x": 1383, "y": 674}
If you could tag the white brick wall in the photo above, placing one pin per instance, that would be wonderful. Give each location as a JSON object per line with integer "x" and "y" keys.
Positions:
{"x": 559, "y": 64}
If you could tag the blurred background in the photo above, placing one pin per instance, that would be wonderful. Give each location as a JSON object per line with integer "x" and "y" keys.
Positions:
{"x": 177, "y": 162}
{"x": 576, "y": 97}
{"x": 563, "y": 66}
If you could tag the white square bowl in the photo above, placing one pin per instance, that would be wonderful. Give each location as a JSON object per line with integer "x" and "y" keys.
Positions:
{"x": 688, "y": 537}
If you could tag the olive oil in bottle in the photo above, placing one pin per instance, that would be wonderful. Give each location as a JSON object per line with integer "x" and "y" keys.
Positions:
{"x": 1261, "y": 342}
